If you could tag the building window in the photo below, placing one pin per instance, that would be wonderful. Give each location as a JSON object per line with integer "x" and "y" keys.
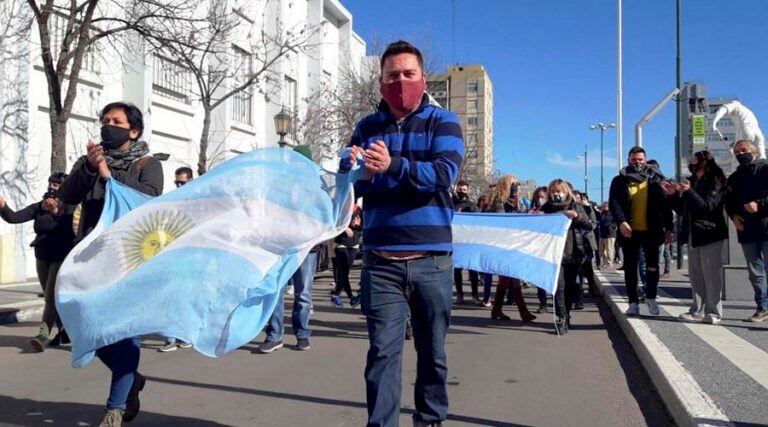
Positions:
{"x": 291, "y": 102}
{"x": 472, "y": 121}
{"x": 242, "y": 102}
{"x": 472, "y": 86}
{"x": 171, "y": 80}
{"x": 472, "y": 106}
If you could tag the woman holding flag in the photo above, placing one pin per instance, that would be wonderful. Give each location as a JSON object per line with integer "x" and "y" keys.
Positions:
{"x": 122, "y": 156}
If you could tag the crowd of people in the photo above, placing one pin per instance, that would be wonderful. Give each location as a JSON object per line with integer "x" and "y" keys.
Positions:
{"x": 413, "y": 151}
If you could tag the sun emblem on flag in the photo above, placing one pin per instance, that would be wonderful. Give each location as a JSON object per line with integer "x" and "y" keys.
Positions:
{"x": 150, "y": 235}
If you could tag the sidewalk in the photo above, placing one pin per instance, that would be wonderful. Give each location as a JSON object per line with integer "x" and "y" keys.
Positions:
{"x": 707, "y": 375}
{"x": 19, "y": 302}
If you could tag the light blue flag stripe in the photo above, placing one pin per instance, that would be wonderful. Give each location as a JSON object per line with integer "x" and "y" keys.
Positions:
{"x": 489, "y": 254}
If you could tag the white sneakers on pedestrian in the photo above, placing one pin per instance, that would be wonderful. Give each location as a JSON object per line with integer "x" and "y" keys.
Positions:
{"x": 688, "y": 317}
{"x": 653, "y": 307}
{"x": 712, "y": 319}
{"x": 633, "y": 310}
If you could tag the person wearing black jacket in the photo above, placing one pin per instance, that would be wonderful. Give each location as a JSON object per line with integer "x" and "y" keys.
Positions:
{"x": 121, "y": 155}
{"x": 346, "y": 246}
{"x": 561, "y": 200}
{"x": 587, "y": 272}
{"x": 639, "y": 205}
{"x": 462, "y": 203}
{"x": 54, "y": 238}
{"x": 700, "y": 200}
{"x": 607, "y": 230}
{"x": 747, "y": 206}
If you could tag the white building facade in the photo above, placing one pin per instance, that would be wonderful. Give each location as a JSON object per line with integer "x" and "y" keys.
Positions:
{"x": 165, "y": 92}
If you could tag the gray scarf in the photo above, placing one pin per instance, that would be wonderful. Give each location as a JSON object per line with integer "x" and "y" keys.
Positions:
{"x": 121, "y": 160}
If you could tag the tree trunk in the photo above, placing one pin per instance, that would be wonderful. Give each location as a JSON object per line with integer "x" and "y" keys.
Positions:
{"x": 202, "y": 160}
{"x": 58, "y": 143}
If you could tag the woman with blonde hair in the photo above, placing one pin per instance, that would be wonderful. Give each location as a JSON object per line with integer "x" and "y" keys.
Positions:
{"x": 561, "y": 200}
{"x": 506, "y": 199}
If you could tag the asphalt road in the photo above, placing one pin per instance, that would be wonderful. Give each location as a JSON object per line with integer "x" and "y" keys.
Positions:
{"x": 501, "y": 374}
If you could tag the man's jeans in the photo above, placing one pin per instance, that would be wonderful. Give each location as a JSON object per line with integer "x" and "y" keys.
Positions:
{"x": 640, "y": 240}
{"x": 756, "y": 254}
{"x": 302, "y": 302}
{"x": 122, "y": 358}
{"x": 388, "y": 289}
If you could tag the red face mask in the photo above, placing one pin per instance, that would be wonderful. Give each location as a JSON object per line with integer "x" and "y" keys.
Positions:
{"x": 403, "y": 95}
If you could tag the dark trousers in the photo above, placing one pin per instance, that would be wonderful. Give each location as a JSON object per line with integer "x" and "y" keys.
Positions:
{"x": 122, "y": 358}
{"x": 567, "y": 288}
{"x": 388, "y": 289}
{"x": 587, "y": 274}
{"x": 345, "y": 257}
{"x": 631, "y": 248}
{"x": 46, "y": 273}
{"x": 474, "y": 280}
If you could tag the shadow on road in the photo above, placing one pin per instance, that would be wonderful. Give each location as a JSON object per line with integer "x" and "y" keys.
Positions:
{"x": 25, "y": 412}
{"x": 638, "y": 381}
{"x": 319, "y": 400}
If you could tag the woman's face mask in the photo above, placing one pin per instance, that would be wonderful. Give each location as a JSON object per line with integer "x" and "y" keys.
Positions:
{"x": 557, "y": 197}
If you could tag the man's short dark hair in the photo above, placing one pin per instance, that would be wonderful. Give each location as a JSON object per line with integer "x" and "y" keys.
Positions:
{"x": 57, "y": 177}
{"x": 636, "y": 149}
{"x": 462, "y": 182}
{"x": 132, "y": 112}
{"x": 401, "y": 46}
{"x": 585, "y": 196}
{"x": 186, "y": 171}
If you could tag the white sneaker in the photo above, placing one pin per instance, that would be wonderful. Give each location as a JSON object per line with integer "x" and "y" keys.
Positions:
{"x": 633, "y": 310}
{"x": 653, "y": 307}
{"x": 688, "y": 317}
{"x": 712, "y": 319}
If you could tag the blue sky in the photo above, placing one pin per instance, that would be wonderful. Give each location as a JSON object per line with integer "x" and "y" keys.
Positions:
{"x": 553, "y": 66}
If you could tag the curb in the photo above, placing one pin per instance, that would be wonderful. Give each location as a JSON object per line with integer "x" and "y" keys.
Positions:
{"x": 686, "y": 401}
{"x": 21, "y": 312}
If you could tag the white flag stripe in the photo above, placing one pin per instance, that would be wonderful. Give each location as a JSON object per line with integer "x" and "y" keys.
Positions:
{"x": 540, "y": 245}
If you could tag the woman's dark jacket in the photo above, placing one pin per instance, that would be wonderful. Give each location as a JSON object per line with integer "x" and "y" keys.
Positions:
{"x": 575, "y": 251}
{"x": 84, "y": 186}
{"x": 702, "y": 209}
{"x": 54, "y": 234}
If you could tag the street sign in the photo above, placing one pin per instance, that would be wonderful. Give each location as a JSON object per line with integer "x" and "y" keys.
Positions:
{"x": 699, "y": 129}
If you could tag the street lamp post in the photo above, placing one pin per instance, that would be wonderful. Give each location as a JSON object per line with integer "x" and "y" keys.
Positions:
{"x": 602, "y": 128}
{"x": 283, "y": 121}
{"x": 586, "y": 174}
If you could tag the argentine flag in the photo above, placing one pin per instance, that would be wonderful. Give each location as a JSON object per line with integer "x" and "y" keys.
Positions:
{"x": 204, "y": 263}
{"x": 526, "y": 247}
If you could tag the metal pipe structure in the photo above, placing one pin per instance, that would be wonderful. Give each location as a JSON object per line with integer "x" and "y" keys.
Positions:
{"x": 620, "y": 90}
{"x": 651, "y": 114}
{"x": 586, "y": 173}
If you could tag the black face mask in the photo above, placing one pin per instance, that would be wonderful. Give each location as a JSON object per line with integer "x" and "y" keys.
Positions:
{"x": 462, "y": 196}
{"x": 513, "y": 191}
{"x": 557, "y": 198}
{"x": 112, "y": 137}
{"x": 744, "y": 158}
{"x": 638, "y": 167}
{"x": 693, "y": 168}
{"x": 52, "y": 193}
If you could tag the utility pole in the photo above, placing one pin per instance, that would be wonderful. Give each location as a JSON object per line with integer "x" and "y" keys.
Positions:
{"x": 602, "y": 127}
{"x": 678, "y": 137}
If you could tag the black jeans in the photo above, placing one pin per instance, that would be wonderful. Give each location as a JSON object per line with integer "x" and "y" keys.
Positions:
{"x": 567, "y": 288}
{"x": 588, "y": 273}
{"x": 345, "y": 257}
{"x": 474, "y": 280}
{"x": 631, "y": 248}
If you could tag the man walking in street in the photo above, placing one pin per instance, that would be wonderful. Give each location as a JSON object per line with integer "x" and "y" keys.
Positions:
{"x": 747, "y": 206}
{"x": 639, "y": 205}
{"x": 412, "y": 152}
{"x": 462, "y": 203}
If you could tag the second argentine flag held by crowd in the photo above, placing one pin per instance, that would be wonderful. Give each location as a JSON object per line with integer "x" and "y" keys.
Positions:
{"x": 204, "y": 263}
{"x": 526, "y": 247}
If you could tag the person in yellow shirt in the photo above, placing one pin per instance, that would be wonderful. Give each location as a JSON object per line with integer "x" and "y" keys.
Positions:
{"x": 639, "y": 204}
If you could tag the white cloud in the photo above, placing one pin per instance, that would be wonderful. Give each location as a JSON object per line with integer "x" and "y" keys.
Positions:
{"x": 593, "y": 160}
